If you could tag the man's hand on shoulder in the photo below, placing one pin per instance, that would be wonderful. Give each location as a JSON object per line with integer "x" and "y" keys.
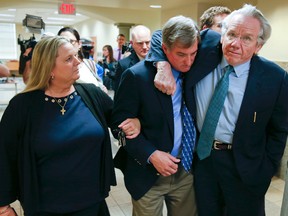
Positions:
{"x": 164, "y": 80}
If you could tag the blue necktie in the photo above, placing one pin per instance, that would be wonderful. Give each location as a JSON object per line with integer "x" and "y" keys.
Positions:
{"x": 188, "y": 137}
{"x": 214, "y": 110}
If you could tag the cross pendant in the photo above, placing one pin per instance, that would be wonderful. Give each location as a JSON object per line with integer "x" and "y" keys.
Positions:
{"x": 62, "y": 111}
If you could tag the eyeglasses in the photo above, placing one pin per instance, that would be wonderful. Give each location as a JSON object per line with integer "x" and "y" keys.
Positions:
{"x": 246, "y": 40}
{"x": 73, "y": 41}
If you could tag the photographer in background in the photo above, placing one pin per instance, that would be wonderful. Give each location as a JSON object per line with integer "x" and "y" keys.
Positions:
{"x": 138, "y": 49}
{"x": 88, "y": 53}
{"x": 26, "y": 47}
{"x": 126, "y": 50}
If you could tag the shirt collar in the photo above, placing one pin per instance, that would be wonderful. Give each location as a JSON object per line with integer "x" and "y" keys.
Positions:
{"x": 175, "y": 73}
{"x": 239, "y": 69}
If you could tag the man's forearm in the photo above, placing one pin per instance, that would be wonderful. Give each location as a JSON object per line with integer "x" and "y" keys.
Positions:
{"x": 164, "y": 80}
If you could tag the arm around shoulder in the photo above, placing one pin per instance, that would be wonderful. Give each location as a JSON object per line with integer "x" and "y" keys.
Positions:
{"x": 156, "y": 53}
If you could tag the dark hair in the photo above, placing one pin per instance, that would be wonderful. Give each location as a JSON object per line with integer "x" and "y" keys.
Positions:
{"x": 77, "y": 36}
{"x": 72, "y": 30}
{"x": 121, "y": 35}
{"x": 110, "y": 51}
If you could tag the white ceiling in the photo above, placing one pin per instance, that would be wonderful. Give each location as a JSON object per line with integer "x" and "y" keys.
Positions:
{"x": 16, "y": 10}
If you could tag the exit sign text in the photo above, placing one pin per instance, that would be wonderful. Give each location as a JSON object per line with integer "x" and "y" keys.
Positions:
{"x": 67, "y": 8}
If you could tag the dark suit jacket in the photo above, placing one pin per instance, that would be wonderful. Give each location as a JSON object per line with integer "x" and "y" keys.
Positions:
{"x": 137, "y": 97}
{"x": 257, "y": 146}
{"x": 122, "y": 65}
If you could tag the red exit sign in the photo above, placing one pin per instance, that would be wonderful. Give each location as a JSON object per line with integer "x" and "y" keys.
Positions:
{"x": 67, "y": 8}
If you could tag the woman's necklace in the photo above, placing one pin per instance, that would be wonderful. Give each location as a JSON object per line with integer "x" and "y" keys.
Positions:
{"x": 59, "y": 101}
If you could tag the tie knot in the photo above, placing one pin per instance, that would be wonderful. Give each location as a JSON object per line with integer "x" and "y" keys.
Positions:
{"x": 181, "y": 75}
{"x": 229, "y": 69}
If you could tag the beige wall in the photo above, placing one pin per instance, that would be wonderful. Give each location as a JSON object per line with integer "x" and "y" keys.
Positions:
{"x": 104, "y": 33}
{"x": 189, "y": 11}
{"x": 276, "y": 12}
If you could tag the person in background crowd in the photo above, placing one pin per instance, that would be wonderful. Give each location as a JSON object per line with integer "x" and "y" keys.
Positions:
{"x": 108, "y": 64}
{"x": 212, "y": 18}
{"x": 140, "y": 44}
{"x": 158, "y": 163}
{"x": 55, "y": 149}
{"x": 4, "y": 70}
{"x": 117, "y": 51}
{"x": 241, "y": 152}
{"x": 87, "y": 68}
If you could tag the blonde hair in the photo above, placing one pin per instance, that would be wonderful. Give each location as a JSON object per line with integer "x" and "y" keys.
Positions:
{"x": 43, "y": 61}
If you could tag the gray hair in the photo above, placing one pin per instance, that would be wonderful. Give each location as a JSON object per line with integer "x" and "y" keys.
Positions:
{"x": 251, "y": 11}
{"x": 181, "y": 30}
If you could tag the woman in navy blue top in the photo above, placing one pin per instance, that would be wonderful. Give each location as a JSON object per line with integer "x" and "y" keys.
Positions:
{"x": 55, "y": 149}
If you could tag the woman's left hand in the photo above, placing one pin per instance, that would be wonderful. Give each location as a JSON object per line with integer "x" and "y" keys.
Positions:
{"x": 131, "y": 127}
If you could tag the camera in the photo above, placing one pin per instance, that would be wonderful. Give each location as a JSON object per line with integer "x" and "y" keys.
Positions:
{"x": 127, "y": 47}
{"x": 25, "y": 56}
{"x": 25, "y": 44}
{"x": 87, "y": 47}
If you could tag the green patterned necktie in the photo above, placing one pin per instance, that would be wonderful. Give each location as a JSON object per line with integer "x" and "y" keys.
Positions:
{"x": 207, "y": 134}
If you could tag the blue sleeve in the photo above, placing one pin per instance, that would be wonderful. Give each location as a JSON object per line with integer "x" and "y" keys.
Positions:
{"x": 156, "y": 53}
{"x": 100, "y": 71}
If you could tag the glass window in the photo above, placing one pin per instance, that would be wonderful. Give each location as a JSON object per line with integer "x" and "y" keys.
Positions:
{"x": 8, "y": 41}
